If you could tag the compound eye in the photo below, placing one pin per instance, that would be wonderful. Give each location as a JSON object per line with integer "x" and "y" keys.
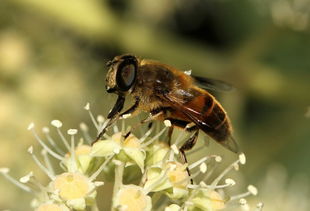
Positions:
{"x": 126, "y": 75}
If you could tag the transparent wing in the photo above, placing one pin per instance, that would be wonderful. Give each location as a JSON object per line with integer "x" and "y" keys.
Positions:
{"x": 212, "y": 84}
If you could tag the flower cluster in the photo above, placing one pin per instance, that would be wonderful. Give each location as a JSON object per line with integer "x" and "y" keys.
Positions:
{"x": 159, "y": 180}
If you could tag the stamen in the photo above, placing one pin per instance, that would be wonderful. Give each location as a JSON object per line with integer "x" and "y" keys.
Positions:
{"x": 167, "y": 123}
{"x": 159, "y": 181}
{"x": 57, "y": 123}
{"x": 46, "y": 131}
{"x": 219, "y": 186}
{"x": 36, "y": 184}
{"x": 230, "y": 181}
{"x": 244, "y": 205}
{"x": 259, "y": 206}
{"x": 5, "y": 173}
{"x": 218, "y": 158}
{"x": 175, "y": 149}
{"x": 98, "y": 183}
{"x": 228, "y": 184}
{"x": 51, "y": 152}
{"x": 171, "y": 156}
{"x": 209, "y": 173}
{"x": 242, "y": 158}
{"x": 191, "y": 177}
{"x": 236, "y": 166}
{"x": 4, "y": 170}
{"x": 146, "y": 135}
{"x": 100, "y": 119}
{"x": 154, "y": 138}
{"x": 99, "y": 129}
{"x": 252, "y": 189}
{"x": 72, "y": 132}
{"x": 87, "y": 108}
{"x": 115, "y": 129}
{"x": 180, "y": 137}
{"x": 216, "y": 181}
{"x": 99, "y": 170}
{"x": 26, "y": 178}
{"x": 41, "y": 166}
{"x": 239, "y": 196}
{"x": 47, "y": 161}
{"x": 197, "y": 163}
{"x": 30, "y": 126}
{"x": 203, "y": 168}
{"x": 85, "y": 133}
{"x": 190, "y": 186}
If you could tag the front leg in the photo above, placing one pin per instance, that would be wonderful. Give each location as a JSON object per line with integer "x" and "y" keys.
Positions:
{"x": 112, "y": 116}
{"x": 132, "y": 109}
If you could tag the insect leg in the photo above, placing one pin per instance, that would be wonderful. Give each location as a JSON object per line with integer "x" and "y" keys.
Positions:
{"x": 132, "y": 109}
{"x": 153, "y": 116}
{"x": 189, "y": 144}
{"x": 117, "y": 107}
{"x": 112, "y": 116}
{"x": 170, "y": 131}
{"x": 149, "y": 120}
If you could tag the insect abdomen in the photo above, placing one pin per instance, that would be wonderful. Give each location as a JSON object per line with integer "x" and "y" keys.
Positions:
{"x": 214, "y": 119}
{"x": 218, "y": 122}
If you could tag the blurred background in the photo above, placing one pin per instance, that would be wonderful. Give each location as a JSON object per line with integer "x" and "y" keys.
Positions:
{"x": 53, "y": 55}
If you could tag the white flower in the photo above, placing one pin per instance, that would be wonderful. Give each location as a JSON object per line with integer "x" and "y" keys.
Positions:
{"x": 82, "y": 158}
{"x": 73, "y": 188}
{"x": 126, "y": 149}
{"x": 172, "y": 178}
{"x": 206, "y": 199}
{"x": 132, "y": 198}
{"x": 161, "y": 173}
{"x": 157, "y": 153}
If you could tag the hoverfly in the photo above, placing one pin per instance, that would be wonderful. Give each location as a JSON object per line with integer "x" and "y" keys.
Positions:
{"x": 169, "y": 94}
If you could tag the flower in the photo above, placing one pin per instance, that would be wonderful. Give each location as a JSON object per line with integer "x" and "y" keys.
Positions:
{"x": 206, "y": 199}
{"x": 172, "y": 178}
{"x": 50, "y": 206}
{"x": 156, "y": 153}
{"x": 83, "y": 158}
{"x": 126, "y": 149}
{"x": 161, "y": 176}
{"x": 73, "y": 188}
{"x": 132, "y": 198}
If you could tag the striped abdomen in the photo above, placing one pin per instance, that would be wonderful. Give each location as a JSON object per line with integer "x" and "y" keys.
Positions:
{"x": 204, "y": 110}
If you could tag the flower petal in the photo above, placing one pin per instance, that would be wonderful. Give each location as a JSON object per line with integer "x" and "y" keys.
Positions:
{"x": 137, "y": 155}
{"x": 104, "y": 148}
{"x": 78, "y": 204}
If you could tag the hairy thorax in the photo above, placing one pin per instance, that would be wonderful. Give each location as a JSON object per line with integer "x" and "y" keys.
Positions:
{"x": 153, "y": 82}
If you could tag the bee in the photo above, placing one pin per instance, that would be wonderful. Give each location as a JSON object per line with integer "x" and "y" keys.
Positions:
{"x": 169, "y": 94}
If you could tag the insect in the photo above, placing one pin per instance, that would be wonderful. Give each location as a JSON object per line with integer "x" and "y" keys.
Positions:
{"x": 169, "y": 94}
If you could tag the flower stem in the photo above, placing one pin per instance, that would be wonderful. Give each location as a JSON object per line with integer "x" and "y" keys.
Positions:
{"x": 119, "y": 171}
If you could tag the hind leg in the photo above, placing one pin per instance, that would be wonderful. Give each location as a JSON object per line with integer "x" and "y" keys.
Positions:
{"x": 188, "y": 145}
